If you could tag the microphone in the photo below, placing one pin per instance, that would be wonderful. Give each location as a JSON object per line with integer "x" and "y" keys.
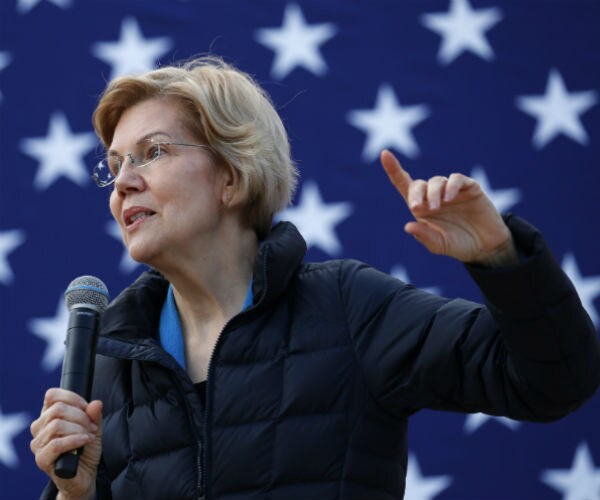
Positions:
{"x": 87, "y": 298}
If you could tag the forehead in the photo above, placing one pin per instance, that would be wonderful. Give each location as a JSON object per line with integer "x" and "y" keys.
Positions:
{"x": 164, "y": 115}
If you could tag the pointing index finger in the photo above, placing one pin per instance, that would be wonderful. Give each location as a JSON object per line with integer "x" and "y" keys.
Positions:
{"x": 399, "y": 177}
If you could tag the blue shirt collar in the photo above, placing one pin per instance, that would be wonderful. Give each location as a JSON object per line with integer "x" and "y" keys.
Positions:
{"x": 171, "y": 335}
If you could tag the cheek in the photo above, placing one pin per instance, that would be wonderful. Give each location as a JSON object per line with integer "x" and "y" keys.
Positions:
{"x": 199, "y": 194}
{"x": 115, "y": 205}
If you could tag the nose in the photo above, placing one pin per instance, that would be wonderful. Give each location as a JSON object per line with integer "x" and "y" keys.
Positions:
{"x": 129, "y": 178}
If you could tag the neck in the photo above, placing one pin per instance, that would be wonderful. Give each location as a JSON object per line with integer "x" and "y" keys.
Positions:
{"x": 212, "y": 289}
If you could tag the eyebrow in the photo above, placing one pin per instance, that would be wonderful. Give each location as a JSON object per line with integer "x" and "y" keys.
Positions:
{"x": 150, "y": 135}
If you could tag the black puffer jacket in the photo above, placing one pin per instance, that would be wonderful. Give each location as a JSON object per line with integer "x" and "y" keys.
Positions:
{"x": 309, "y": 390}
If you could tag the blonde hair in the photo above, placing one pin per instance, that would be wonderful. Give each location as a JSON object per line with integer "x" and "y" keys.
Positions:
{"x": 231, "y": 113}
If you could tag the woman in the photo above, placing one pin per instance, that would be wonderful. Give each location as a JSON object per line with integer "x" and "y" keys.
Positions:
{"x": 235, "y": 370}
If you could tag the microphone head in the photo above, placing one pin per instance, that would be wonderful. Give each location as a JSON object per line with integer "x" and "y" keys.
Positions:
{"x": 87, "y": 291}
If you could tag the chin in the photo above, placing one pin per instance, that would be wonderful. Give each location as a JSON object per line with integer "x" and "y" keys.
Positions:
{"x": 141, "y": 255}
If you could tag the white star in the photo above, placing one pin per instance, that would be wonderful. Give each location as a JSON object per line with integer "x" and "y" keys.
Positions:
{"x": 127, "y": 264}
{"x": 5, "y": 60}
{"x": 558, "y": 111}
{"x": 316, "y": 220}
{"x": 296, "y": 43}
{"x": 400, "y": 272}
{"x": 389, "y": 124}
{"x": 419, "y": 487}
{"x": 588, "y": 288}
{"x": 10, "y": 427}
{"x": 24, "y": 6}
{"x": 132, "y": 53}
{"x": 580, "y": 482}
{"x": 54, "y": 331}
{"x": 60, "y": 153}
{"x": 502, "y": 199}
{"x": 462, "y": 28}
{"x": 9, "y": 240}
{"x": 476, "y": 420}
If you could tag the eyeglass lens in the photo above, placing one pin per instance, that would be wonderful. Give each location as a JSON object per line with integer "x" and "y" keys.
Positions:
{"x": 106, "y": 171}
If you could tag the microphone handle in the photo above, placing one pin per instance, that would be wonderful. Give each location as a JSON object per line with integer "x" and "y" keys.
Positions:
{"x": 78, "y": 371}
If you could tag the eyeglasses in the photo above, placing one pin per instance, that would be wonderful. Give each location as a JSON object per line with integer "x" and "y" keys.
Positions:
{"x": 107, "y": 170}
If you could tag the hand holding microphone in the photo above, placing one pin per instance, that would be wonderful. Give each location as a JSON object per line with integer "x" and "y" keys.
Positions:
{"x": 68, "y": 422}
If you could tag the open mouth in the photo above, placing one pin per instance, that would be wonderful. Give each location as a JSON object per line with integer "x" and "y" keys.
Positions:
{"x": 137, "y": 216}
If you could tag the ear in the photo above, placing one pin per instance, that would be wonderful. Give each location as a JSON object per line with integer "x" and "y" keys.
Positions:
{"x": 231, "y": 193}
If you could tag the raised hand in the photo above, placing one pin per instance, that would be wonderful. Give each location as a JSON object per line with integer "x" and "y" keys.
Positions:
{"x": 453, "y": 216}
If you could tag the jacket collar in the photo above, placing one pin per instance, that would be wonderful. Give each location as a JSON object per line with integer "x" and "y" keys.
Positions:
{"x": 277, "y": 260}
{"x": 135, "y": 313}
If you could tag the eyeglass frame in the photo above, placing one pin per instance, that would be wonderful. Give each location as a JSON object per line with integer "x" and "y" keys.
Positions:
{"x": 132, "y": 160}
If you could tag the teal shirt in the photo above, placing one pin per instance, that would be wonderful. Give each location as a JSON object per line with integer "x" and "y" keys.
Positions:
{"x": 171, "y": 335}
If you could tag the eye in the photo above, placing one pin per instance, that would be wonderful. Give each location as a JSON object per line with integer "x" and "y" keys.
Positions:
{"x": 153, "y": 151}
{"x": 114, "y": 165}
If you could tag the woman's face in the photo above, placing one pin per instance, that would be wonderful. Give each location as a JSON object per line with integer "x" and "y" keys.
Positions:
{"x": 172, "y": 208}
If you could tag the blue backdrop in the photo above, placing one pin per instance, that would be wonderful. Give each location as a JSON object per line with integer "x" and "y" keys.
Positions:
{"x": 505, "y": 91}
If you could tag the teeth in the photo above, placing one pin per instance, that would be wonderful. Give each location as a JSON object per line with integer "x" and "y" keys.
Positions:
{"x": 137, "y": 216}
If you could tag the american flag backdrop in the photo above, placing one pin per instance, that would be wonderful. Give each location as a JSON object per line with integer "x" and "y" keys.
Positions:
{"x": 505, "y": 91}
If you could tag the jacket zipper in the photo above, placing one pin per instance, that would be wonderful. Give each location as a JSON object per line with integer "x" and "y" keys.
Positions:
{"x": 199, "y": 447}
{"x": 204, "y": 462}
{"x": 203, "y": 459}
{"x": 199, "y": 487}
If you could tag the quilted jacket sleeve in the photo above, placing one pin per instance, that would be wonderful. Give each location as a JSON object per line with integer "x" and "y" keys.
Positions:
{"x": 530, "y": 353}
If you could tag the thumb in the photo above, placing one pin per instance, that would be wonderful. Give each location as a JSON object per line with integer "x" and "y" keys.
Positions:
{"x": 427, "y": 234}
{"x": 94, "y": 411}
